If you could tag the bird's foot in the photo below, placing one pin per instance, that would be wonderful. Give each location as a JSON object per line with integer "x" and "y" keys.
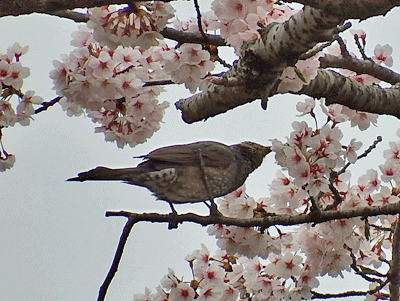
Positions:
{"x": 214, "y": 212}
{"x": 173, "y": 221}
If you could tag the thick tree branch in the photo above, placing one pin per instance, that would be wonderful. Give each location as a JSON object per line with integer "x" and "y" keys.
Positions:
{"x": 256, "y": 74}
{"x": 345, "y": 91}
{"x": 336, "y": 88}
{"x": 351, "y": 9}
{"x": 360, "y": 67}
{"x": 21, "y": 7}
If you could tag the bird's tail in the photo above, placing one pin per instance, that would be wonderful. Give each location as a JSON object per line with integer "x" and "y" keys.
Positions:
{"x": 105, "y": 174}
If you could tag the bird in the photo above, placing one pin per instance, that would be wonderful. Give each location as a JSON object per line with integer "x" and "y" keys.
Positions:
{"x": 188, "y": 173}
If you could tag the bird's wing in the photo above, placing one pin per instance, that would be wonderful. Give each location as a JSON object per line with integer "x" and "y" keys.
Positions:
{"x": 213, "y": 154}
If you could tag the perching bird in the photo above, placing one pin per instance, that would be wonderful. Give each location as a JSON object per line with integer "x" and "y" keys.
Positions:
{"x": 182, "y": 173}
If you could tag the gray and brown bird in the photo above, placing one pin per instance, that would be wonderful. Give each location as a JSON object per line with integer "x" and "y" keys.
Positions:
{"x": 188, "y": 173}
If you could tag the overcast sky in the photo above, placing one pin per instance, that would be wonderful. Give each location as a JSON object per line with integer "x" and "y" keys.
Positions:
{"x": 56, "y": 243}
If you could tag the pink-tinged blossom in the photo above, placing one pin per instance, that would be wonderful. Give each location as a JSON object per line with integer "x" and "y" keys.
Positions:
{"x": 103, "y": 65}
{"x": 126, "y": 57}
{"x": 335, "y": 262}
{"x": 294, "y": 78}
{"x": 7, "y": 114}
{"x": 127, "y": 84}
{"x": 317, "y": 185}
{"x": 383, "y": 54}
{"x": 288, "y": 266}
{"x": 390, "y": 171}
{"x": 25, "y": 107}
{"x": 341, "y": 183}
{"x": 169, "y": 281}
{"x": 229, "y": 293}
{"x": 213, "y": 275}
{"x": 82, "y": 37}
{"x": 109, "y": 86}
{"x": 209, "y": 23}
{"x": 147, "y": 296}
{"x": 301, "y": 134}
{"x": 16, "y": 74}
{"x": 210, "y": 293}
{"x": 393, "y": 153}
{"x": 334, "y": 113}
{"x": 202, "y": 257}
{"x": 189, "y": 64}
{"x": 360, "y": 119}
{"x": 365, "y": 79}
{"x": 384, "y": 197}
{"x": 369, "y": 181}
{"x": 182, "y": 292}
{"x": 299, "y": 293}
{"x": 137, "y": 27}
{"x": 4, "y": 69}
{"x": 16, "y": 51}
{"x": 193, "y": 54}
{"x": 6, "y": 162}
{"x": 307, "y": 278}
{"x": 58, "y": 75}
{"x": 230, "y": 10}
{"x": 306, "y": 107}
{"x": 70, "y": 107}
{"x": 350, "y": 150}
{"x": 243, "y": 207}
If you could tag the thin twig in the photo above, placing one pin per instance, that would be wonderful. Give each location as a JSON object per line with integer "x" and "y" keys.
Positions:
{"x": 46, "y": 105}
{"x": 338, "y": 198}
{"x": 360, "y": 48}
{"x": 364, "y": 154}
{"x": 349, "y": 293}
{"x": 342, "y": 45}
{"x": 199, "y": 22}
{"x": 117, "y": 258}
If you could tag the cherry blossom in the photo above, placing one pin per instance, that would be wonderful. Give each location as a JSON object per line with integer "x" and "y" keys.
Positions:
{"x": 307, "y": 107}
{"x": 6, "y": 162}
{"x": 104, "y": 83}
{"x": 383, "y": 54}
{"x": 350, "y": 150}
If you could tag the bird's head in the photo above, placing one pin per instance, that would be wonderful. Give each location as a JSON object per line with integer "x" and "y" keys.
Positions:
{"x": 253, "y": 152}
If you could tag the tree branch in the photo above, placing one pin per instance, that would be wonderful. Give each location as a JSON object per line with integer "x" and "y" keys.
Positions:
{"x": 360, "y": 67}
{"x": 263, "y": 222}
{"x": 351, "y": 9}
{"x": 394, "y": 273}
{"x": 21, "y": 7}
{"x": 357, "y": 96}
{"x": 117, "y": 258}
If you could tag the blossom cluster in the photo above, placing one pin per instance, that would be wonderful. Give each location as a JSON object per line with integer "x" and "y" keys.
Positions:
{"x": 188, "y": 64}
{"x": 15, "y": 106}
{"x": 240, "y": 19}
{"x": 12, "y": 74}
{"x": 233, "y": 277}
{"x": 110, "y": 86}
{"x": 137, "y": 25}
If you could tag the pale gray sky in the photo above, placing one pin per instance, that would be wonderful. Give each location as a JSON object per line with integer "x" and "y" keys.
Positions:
{"x": 56, "y": 243}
